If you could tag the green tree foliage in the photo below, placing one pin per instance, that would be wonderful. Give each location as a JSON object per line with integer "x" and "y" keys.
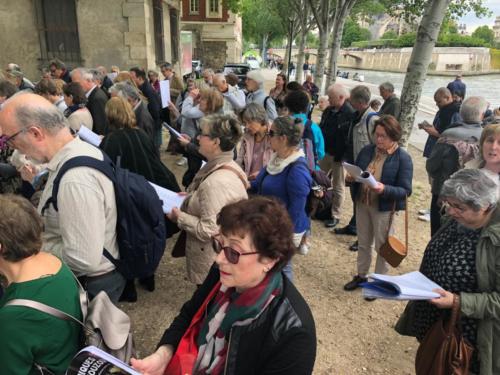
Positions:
{"x": 485, "y": 34}
{"x": 261, "y": 21}
{"x": 312, "y": 40}
{"x": 390, "y": 34}
{"x": 353, "y": 33}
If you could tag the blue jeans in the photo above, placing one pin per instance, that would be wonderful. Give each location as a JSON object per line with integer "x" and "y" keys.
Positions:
{"x": 112, "y": 283}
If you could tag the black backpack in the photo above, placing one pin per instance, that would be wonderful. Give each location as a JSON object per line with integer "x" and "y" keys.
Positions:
{"x": 140, "y": 224}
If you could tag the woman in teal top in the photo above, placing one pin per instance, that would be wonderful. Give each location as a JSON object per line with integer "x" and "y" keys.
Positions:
{"x": 29, "y": 337}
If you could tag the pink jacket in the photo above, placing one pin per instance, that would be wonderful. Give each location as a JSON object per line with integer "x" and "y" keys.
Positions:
{"x": 244, "y": 158}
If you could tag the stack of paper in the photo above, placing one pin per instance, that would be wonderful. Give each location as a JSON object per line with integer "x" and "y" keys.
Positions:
{"x": 360, "y": 175}
{"x": 410, "y": 286}
{"x": 169, "y": 198}
{"x": 172, "y": 130}
{"x": 89, "y": 136}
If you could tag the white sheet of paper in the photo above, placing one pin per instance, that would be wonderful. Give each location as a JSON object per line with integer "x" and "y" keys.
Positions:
{"x": 172, "y": 130}
{"x": 413, "y": 286}
{"x": 358, "y": 173}
{"x": 89, "y": 136}
{"x": 169, "y": 198}
{"x": 368, "y": 179}
{"x": 165, "y": 92}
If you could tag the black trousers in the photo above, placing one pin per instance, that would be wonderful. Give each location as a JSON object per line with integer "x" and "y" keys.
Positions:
{"x": 435, "y": 214}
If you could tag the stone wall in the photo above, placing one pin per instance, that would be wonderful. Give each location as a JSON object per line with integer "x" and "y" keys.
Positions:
{"x": 214, "y": 54}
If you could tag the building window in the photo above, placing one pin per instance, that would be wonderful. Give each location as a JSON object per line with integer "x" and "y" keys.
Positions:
{"x": 194, "y": 6}
{"x": 174, "y": 34}
{"x": 58, "y": 30}
{"x": 158, "y": 31}
{"x": 214, "y": 6}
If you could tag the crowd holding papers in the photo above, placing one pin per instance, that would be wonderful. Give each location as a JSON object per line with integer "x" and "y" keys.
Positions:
{"x": 94, "y": 361}
{"x": 359, "y": 175}
{"x": 89, "y": 136}
{"x": 410, "y": 286}
{"x": 169, "y": 198}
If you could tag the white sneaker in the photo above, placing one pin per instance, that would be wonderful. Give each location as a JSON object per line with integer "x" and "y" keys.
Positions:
{"x": 426, "y": 217}
{"x": 424, "y": 212}
{"x": 303, "y": 249}
{"x": 182, "y": 161}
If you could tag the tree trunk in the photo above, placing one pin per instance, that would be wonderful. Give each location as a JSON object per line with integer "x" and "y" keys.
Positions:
{"x": 300, "y": 57}
{"x": 421, "y": 55}
{"x": 288, "y": 51}
{"x": 341, "y": 14}
{"x": 321, "y": 58}
{"x": 264, "y": 48}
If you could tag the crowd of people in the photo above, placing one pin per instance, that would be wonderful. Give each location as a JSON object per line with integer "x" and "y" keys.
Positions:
{"x": 257, "y": 170}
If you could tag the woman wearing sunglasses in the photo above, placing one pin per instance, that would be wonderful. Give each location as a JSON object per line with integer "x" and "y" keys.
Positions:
{"x": 246, "y": 318}
{"x": 463, "y": 257}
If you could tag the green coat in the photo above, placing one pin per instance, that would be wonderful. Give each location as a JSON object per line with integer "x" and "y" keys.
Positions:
{"x": 483, "y": 306}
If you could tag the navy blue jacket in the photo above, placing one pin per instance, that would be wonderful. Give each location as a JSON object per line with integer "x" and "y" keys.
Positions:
{"x": 397, "y": 175}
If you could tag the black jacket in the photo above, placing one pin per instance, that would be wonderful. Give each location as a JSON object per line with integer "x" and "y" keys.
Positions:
{"x": 335, "y": 128}
{"x": 96, "y": 103}
{"x": 144, "y": 120}
{"x": 154, "y": 105}
{"x": 391, "y": 106}
{"x": 281, "y": 341}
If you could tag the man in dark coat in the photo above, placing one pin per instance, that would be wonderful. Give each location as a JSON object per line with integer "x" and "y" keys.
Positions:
{"x": 97, "y": 99}
{"x": 392, "y": 104}
{"x": 154, "y": 105}
{"x": 457, "y": 88}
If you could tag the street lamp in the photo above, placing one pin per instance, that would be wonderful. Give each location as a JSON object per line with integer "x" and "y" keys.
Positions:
{"x": 291, "y": 21}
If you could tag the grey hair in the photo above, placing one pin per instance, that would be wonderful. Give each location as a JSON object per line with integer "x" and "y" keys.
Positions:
{"x": 255, "y": 112}
{"x": 97, "y": 75}
{"x": 125, "y": 90}
{"x": 361, "y": 94}
{"x": 471, "y": 187}
{"x": 226, "y": 128}
{"x": 442, "y": 92}
{"x": 291, "y": 128}
{"x": 209, "y": 71}
{"x": 387, "y": 86}
{"x": 49, "y": 118}
{"x": 338, "y": 89}
{"x": 472, "y": 109}
{"x": 86, "y": 74}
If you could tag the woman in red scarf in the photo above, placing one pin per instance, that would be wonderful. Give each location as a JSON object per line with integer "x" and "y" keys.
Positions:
{"x": 246, "y": 318}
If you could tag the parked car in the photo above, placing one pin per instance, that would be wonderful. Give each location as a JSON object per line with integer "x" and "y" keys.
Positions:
{"x": 240, "y": 70}
{"x": 197, "y": 68}
{"x": 253, "y": 62}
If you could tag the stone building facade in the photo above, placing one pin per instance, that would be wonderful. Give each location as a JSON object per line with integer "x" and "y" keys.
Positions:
{"x": 217, "y": 33}
{"x": 89, "y": 33}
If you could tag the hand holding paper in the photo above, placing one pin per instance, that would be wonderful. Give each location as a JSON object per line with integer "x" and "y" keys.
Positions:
{"x": 170, "y": 199}
{"x": 360, "y": 176}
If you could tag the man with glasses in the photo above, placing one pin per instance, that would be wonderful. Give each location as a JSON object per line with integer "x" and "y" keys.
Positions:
{"x": 85, "y": 222}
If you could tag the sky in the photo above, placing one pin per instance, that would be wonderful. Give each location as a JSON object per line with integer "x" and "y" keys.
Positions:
{"x": 473, "y": 22}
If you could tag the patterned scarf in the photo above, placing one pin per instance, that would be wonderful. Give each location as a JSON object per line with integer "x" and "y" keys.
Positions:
{"x": 230, "y": 308}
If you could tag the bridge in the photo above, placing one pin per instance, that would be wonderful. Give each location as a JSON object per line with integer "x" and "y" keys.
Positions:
{"x": 313, "y": 53}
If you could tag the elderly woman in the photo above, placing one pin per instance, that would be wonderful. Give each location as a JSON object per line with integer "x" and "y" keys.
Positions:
{"x": 219, "y": 182}
{"x": 31, "y": 337}
{"x": 489, "y": 158}
{"x": 76, "y": 112}
{"x": 392, "y": 167}
{"x": 255, "y": 148}
{"x": 47, "y": 88}
{"x": 137, "y": 153}
{"x": 287, "y": 176}
{"x": 246, "y": 318}
{"x": 463, "y": 258}
{"x": 278, "y": 93}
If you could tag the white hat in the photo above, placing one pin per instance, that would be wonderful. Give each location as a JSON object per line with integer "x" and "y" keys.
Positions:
{"x": 257, "y": 76}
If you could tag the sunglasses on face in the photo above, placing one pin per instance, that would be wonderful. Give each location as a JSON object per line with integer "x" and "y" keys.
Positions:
{"x": 231, "y": 254}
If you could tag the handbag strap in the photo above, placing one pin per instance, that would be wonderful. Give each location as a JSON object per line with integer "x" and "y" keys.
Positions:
{"x": 235, "y": 171}
{"x": 406, "y": 220}
{"x": 455, "y": 315}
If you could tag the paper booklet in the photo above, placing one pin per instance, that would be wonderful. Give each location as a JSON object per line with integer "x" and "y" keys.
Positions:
{"x": 359, "y": 175}
{"x": 410, "y": 286}
{"x": 169, "y": 198}
{"x": 94, "y": 361}
{"x": 172, "y": 130}
{"x": 89, "y": 136}
{"x": 165, "y": 93}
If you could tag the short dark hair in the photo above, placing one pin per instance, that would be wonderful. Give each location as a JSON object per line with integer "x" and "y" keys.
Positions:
{"x": 266, "y": 221}
{"x": 58, "y": 64}
{"x": 7, "y": 88}
{"x": 360, "y": 94}
{"x": 139, "y": 73}
{"x": 294, "y": 86}
{"x": 391, "y": 127}
{"x": 46, "y": 86}
{"x": 166, "y": 65}
{"x": 20, "y": 228}
{"x": 232, "y": 79}
{"x": 297, "y": 101}
{"x": 75, "y": 90}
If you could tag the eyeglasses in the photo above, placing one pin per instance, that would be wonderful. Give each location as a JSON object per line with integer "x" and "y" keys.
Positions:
{"x": 272, "y": 133}
{"x": 9, "y": 140}
{"x": 446, "y": 205}
{"x": 231, "y": 255}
